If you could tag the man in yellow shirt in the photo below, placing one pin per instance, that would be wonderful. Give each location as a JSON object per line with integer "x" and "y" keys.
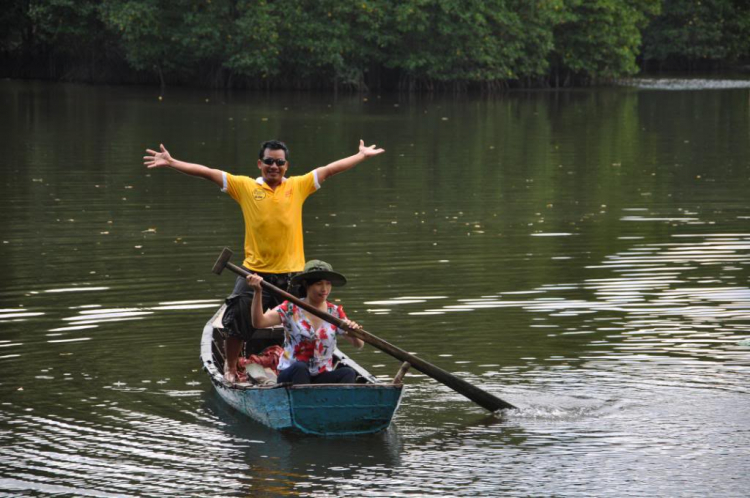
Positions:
{"x": 272, "y": 208}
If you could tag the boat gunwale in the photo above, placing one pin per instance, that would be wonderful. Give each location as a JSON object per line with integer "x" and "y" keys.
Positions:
{"x": 352, "y": 386}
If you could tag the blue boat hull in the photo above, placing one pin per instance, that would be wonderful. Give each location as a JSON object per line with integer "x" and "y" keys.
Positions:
{"x": 321, "y": 409}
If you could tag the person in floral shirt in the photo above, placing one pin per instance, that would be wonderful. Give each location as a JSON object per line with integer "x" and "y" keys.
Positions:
{"x": 309, "y": 341}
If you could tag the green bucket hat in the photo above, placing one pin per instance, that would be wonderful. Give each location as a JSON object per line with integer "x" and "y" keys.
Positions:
{"x": 315, "y": 270}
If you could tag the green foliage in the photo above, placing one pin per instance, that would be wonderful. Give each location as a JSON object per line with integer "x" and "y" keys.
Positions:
{"x": 68, "y": 25}
{"x": 203, "y": 28}
{"x": 691, "y": 30}
{"x": 302, "y": 39}
{"x": 254, "y": 40}
{"x": 331, "y": 38}
{"x": 364, "y": 43}
{"x": 15, "y": 26}
{"x": 601, "y": 38}
{"x": 470, "y": 40}
{"x": 147, "y": 33}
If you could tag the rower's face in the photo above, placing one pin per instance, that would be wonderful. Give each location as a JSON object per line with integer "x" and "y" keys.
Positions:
{"x": 273, "y": 173}
{"x": 319, "y": 290}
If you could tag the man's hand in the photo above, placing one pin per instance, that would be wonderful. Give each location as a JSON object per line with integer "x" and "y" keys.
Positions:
{"x": 342, "y": 165}
{"x": 162, "y": 159}
{"x": 369, "y": 151}
{"x": 157, "y": 159}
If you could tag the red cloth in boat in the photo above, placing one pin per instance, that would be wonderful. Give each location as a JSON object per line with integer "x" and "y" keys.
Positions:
{"x": 268, "y": 358}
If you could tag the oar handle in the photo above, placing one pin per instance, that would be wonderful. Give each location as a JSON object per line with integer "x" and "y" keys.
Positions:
{"x": 479, "y": 396}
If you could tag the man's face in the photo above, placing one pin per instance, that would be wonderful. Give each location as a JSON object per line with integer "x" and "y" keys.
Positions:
{"x": 272, "y": 173}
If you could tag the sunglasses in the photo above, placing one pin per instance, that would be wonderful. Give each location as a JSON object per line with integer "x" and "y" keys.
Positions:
{"x": 270, "y": 160}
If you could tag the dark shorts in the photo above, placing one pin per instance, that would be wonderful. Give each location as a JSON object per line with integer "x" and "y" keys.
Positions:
{"x": 237, "y": 320}
{"x": 298, "y": 373}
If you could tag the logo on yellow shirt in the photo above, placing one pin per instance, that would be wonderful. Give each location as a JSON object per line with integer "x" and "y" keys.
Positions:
{"x": 259, "y": 194}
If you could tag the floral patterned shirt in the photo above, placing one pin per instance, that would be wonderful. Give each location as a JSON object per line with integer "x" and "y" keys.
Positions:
{"x": 302, "y": 343}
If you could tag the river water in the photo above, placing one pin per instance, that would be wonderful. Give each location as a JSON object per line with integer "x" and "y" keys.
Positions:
{"x": 583, "y": 255}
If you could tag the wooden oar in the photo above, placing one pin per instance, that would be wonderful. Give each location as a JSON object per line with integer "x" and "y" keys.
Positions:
{"x": 480, "y": 397}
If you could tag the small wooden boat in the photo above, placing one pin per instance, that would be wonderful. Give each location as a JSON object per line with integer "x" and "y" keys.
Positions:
{"x": 364, "y": 407}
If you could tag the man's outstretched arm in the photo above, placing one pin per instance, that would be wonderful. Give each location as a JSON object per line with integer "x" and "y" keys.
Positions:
{"x": 342, "y": 165}
{"x": 162, "y": 159}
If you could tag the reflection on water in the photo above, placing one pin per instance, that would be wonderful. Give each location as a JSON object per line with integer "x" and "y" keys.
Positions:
{"x": 583, "y": 255}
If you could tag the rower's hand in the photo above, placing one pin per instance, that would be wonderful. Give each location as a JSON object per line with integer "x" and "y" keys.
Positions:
{"x": 352, "y": 324}
{"x": 254, "y": 281}
{"x": 156, "y": 159}
{"x": 369, "y": 151}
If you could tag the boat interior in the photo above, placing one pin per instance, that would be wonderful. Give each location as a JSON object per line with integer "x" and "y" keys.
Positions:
{"x": 263, "y": 339}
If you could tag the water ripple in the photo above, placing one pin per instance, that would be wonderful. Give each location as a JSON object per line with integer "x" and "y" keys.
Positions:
{"x": 665, "y": 308}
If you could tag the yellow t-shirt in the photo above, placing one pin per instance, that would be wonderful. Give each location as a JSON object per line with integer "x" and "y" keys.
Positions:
{"x": 273, "y": 220}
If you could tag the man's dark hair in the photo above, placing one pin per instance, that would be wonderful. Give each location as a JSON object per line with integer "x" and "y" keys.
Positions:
{"x": 273, "y": 145}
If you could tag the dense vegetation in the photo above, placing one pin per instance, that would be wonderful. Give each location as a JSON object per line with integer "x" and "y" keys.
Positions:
{"x": 366, "y": 44}
{"x": 698, "y": 34}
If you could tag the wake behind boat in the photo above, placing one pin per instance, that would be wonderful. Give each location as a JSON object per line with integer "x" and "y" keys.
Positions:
{"x": 367, "y": 406}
